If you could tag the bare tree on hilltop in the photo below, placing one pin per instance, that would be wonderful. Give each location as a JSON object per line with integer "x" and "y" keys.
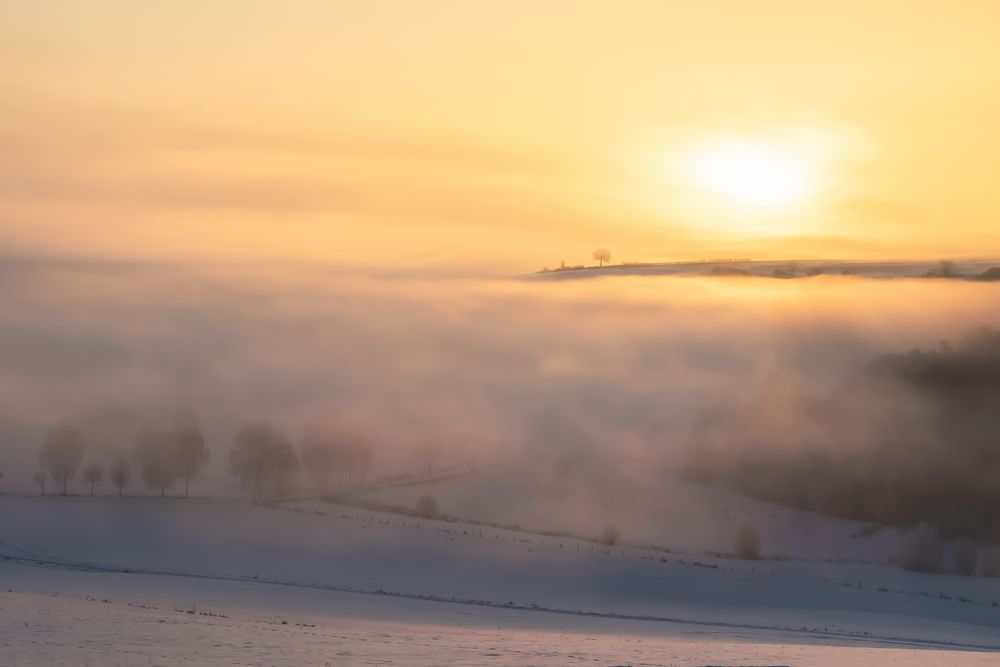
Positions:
{"x": 62, "y": 454}
{"x": 602, "y": 255}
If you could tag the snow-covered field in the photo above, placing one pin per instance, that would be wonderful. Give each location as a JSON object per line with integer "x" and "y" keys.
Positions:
{"x": 148, "y": 581}
{"x": 657, "y": 509}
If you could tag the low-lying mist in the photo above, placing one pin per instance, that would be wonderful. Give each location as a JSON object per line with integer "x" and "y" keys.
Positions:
{"x": 748, "y": 383}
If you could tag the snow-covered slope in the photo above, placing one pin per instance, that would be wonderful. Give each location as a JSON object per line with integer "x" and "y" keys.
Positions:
{"x": 663, "y": 511}
{"x": 326, "y": 549}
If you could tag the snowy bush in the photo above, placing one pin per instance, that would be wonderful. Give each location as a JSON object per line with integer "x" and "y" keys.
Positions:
{"x": 610, "y": 536}
{"x": 427, "y": 507}
{"x": 747, "y": 544}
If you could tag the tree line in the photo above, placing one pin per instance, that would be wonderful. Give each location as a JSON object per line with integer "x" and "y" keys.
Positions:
{"x": 164, "y": 457}
{"x": 262, "y": 458}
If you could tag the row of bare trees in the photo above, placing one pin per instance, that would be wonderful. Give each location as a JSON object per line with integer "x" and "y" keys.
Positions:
{"x": 265, "y": 461}
{"x": 262, "y": 457}
{"x": 165, "y": 457}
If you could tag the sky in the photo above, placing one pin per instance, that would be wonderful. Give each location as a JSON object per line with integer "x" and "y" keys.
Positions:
{"x": 491, "y": 137}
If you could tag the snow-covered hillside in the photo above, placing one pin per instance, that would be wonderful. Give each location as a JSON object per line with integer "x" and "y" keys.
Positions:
{"x": 658, "y": 509}
{"x": 310, "y": 560}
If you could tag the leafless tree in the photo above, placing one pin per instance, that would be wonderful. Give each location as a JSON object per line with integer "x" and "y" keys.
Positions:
{"x": 356, "y": 460}
{"x": 429, "y": 450}
{"x": 602, "y": 255}
{"x": 120, "y": 472}
{"x": 157, "y": 463}
{"x": 610, "y": 536}
{"x": 40, "y": 479}
{"x": 189, "y": 450}
{"x": 62, "y": 454}
{"x": 262, "y": 457}
{"x": 93, "y": 473}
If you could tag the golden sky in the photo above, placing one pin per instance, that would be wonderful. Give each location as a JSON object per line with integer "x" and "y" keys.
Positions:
{"x": 499, "y": 135}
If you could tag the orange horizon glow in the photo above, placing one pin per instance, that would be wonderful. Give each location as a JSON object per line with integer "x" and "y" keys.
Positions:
{"x": 505, "y": 136}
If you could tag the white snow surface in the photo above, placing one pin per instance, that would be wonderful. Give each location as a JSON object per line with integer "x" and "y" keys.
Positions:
{"x": 122, "y": 581}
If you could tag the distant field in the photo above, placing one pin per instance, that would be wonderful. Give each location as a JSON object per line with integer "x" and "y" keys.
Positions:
{"x": 801, "y": 268}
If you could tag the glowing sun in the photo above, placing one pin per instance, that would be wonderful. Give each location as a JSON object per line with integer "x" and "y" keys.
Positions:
{"x": 750, "y": 173}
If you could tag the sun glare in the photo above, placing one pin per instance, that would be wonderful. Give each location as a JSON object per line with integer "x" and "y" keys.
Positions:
{"x": 750, "y": 173}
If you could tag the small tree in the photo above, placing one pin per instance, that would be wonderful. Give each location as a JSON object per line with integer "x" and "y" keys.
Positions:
{"x": 120, "y": 473}
{"x": 602, "y": 255}
{"x": 747, "y": 543}
{"x": 93, "y": 473}
{"x": 40, "y": 479}
{"x": 610, "y": 536}
{"x": 62, "y": 454}
{"x": 157, "y": 463}
{"x": 190, "y": 452}
{"x": 427, "y": 507}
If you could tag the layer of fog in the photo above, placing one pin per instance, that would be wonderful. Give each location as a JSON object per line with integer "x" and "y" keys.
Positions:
{"x": 604, "y": 379}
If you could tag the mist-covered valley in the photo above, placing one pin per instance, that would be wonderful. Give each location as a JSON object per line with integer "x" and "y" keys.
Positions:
{"x": 322, "y": 428}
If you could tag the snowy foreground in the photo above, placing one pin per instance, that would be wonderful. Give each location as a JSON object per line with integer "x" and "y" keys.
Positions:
{"x": 139, "y": 581}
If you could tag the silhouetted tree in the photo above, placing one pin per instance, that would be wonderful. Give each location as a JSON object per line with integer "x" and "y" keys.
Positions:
{"x": 189, "y": 450}
{"x": 429, "y": 451}
{"x": 120, "y": 472}
{"x": 602, "y": 255}
{"x": 261, "y": 457}
{"x": 62, "y": 454}
{"x": 747, "y": 543}
{"x": 319, "y": 455}
{"x": 40, "y": 479}
{"x": 427, "y": 507}
{"x": 93, "y": 473}
{"x": 356, "y": 459}
{"x": 157, "y": 461}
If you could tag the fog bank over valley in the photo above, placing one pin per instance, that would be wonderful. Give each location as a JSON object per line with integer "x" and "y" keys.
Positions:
{"x": 785, "y": 390}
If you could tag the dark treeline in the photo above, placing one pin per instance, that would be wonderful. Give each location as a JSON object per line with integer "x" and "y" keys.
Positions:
{"x": 262, "y": 458}
{"x": 913, "y": 438}
{"x": 165, "y": 457}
